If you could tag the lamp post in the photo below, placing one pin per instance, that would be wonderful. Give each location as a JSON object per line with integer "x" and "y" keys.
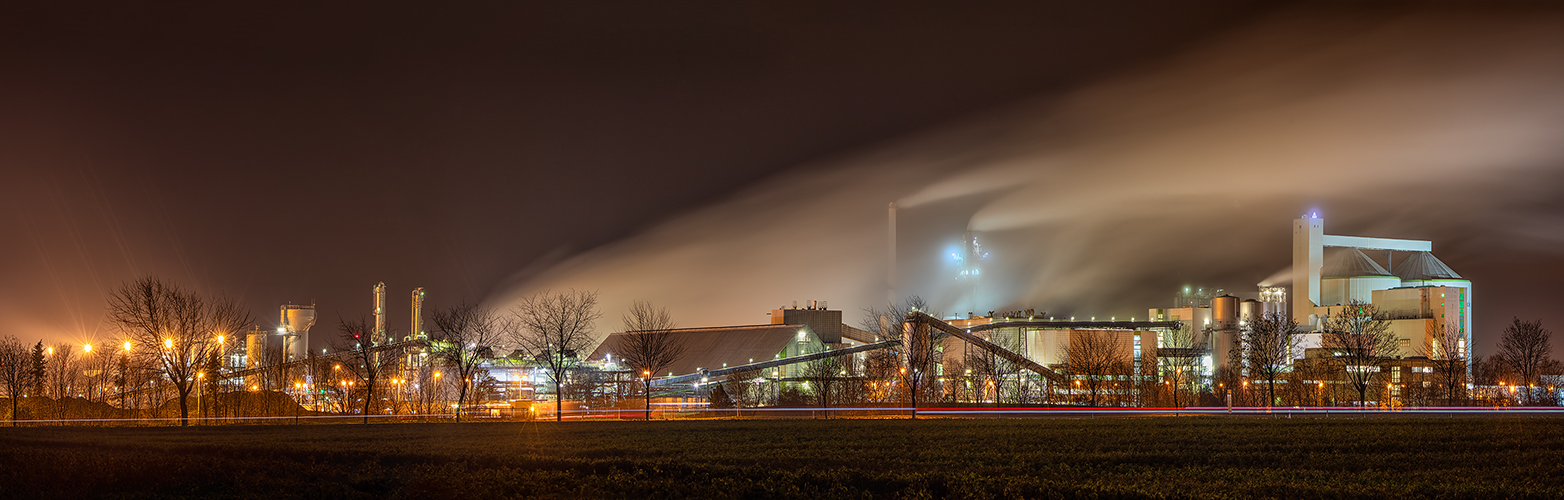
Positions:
{"x": 86, "y": 350}
{"x": 437, "y": 384}
{"x": 201, "y": 394}
{"x": 646, "y": 375}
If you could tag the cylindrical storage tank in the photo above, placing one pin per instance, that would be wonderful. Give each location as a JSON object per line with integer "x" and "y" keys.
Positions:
{"x": 1221, "y": 343}
{"x": 1250, "y": 310}
{"x": 254, "y": 348}
{"x": 1224, "y": 312}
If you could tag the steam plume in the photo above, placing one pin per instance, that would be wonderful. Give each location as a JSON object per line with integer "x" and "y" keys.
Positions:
{"x": 1436, "y": 125}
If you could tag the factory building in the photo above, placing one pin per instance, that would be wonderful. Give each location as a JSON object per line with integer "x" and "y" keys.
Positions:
{"x": 1413, "y": 289}
{"x": 791, "y": 332}
{"x": 824, "y": 322}
{"x": 1412, "y": 286}
{"x": 1047, "y": 345}
{"x": 715, "y": 348}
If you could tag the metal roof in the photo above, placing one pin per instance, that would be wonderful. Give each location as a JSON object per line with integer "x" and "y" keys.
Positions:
{"x": 1350, "y": 262}
{"x": 1424, "y": 266}
{"x": 709, "y": 348}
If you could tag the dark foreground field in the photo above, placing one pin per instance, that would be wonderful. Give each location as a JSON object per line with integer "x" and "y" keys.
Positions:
{"x": 1044, "y": 458}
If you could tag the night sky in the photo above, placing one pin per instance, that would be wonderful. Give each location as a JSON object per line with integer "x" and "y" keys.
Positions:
{"x": 726, "y": 159}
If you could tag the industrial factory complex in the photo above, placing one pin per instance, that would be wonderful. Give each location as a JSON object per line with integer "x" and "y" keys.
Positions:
{"x": 1192, "y": 348}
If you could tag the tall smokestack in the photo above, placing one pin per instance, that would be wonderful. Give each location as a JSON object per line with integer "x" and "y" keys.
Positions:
{"x": 1308, "y": 236}
{"x": 890, "y": 266}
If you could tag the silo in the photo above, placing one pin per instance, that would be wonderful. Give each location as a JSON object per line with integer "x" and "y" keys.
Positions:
{"x": 294, "y": 323}
{"x": 1250, "y": 310}
{"x": 1224, "y": 312}
{"x": 254, "y": 347}
{"x": 1350, "y": 276}
{"x": 1224, "y": 328}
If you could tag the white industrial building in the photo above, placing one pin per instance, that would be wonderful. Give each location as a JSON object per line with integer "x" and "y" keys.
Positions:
{"x": 1402, "y": 278}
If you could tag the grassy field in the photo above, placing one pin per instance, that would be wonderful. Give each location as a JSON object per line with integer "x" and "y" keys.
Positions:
{"x": 1039, "y": 458}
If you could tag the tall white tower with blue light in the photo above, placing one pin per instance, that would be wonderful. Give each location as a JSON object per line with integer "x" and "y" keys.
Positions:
{"x": 970, "y": 270}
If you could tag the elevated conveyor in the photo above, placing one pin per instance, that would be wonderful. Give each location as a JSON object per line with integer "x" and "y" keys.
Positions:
{"x": 918, "y": 318}
{"x": 939, "y": 329}
{"x": 681, "y": 379}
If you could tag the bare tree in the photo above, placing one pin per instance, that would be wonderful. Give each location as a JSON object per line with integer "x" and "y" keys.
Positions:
{"x": 1097, "y": 355}
{"x": 13, "y": 371}
{"x": 879, "y": 370}
{"x": 329, "y": 375}
{"x": 1361, "y": 344}
{"x": 649, "y": 344}
{"x": 918, "y": 350}
{"x": 367, "y": 362}
{"x": 982, "y": 368}
{"x": 1267, "y": 347}
{"x": 824, "y": 377}
{"x": 462, "y": 334}
{"x": 1182, "y": 348}
{"x": 1002, "y": 376}
{"x": 1229, "y": 376}
{"x": 747, "y": 391}
{"x": 553, "y": 329}
{"x": 174, "y": 329}
{"x": 429, "y": 391}
{"x": 1443, "y": 349}
{"x": 63, "y": 376}
{"x": 1524, "y": 348}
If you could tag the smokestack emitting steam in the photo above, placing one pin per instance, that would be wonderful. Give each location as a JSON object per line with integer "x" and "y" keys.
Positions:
{"x": 1102, "y": 199}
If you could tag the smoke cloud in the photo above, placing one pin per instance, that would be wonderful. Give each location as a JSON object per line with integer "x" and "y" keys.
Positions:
{"x": 1443, "y": 125}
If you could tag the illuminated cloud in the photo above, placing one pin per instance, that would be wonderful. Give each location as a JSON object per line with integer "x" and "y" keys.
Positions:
{"x": 1104, "y": 198}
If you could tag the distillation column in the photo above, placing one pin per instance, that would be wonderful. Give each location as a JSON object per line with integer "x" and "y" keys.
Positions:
{"x": 417, "y": 331}
{"x": 379, "y": 334}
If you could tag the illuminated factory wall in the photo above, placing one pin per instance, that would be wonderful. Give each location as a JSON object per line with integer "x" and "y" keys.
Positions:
{"x": 1410, "y": 284}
